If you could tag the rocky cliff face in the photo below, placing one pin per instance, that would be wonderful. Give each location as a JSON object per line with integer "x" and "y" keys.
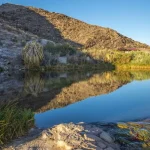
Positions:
{"x": 12, "y": 41}
{"x": 61, "y": 28}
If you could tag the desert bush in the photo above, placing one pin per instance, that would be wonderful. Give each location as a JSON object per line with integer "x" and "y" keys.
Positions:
{"x": 50, "y": 59}
{"x": 62, "y": 49}
{"x": 14, "y": 122}
{"x": 32, "y": 55}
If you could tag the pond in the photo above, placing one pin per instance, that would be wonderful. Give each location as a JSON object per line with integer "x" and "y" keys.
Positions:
{"x": 79, "y": 96}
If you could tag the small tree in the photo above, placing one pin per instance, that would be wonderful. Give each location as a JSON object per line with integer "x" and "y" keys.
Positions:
{"x": 32, "y": 54}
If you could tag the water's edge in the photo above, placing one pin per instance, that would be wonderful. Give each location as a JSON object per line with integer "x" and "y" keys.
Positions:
{"x": 82, "y": 136}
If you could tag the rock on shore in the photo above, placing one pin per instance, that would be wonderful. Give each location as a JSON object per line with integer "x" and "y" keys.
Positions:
{"x": 66, "y": 137}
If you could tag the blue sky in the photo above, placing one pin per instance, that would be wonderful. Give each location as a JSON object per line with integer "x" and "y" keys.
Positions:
{"x": 129, "y": 17}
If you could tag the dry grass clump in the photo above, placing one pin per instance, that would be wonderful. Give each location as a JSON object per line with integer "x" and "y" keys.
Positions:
{"x": 32, "y": 54}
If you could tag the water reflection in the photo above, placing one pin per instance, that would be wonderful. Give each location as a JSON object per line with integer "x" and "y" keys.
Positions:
{"x": 128, "y": 103}
{"x": 46, "y": 91}
{"x": 33, "y": 83}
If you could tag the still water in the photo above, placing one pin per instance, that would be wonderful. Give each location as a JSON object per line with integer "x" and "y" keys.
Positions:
{"x": 130, "y": 102}
{"x": 80, "y": 97}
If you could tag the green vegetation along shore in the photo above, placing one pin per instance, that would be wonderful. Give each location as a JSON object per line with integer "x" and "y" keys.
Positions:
{"x": 14, "y": 122}
{"x": 122, "y": 59}
{"x": 64, "y": 57}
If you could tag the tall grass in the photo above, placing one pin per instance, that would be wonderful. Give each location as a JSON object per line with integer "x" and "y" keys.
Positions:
{"x": 14, "y": 122}
{"x": 32, "y": 55}
{"x": 119, "y": 58}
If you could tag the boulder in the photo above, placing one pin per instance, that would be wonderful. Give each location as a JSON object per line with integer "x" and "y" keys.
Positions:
{"x": 44, "y": 42}
{"x": 105, "y": 136}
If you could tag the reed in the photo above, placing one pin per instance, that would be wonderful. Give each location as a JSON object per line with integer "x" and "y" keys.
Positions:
{"x": 14, "y": 122}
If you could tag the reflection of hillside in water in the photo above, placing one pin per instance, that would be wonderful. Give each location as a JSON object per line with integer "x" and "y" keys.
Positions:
{"x": 95, "y": 85}
{"x": 36, "y": 94}
{"x": 68, "y": 89}
{"x": 42, "y": 92}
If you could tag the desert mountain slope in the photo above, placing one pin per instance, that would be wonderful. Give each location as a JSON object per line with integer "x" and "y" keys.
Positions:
{"x": 61, "y": 28}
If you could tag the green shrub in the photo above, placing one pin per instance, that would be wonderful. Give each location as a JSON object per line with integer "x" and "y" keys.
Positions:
{"x": 49, "y": 46}
{"x": 32, "y": 55}
{"x": 14, "y": 122}
{"x": 120, "y": 58}
{"x": 62, "y": 49}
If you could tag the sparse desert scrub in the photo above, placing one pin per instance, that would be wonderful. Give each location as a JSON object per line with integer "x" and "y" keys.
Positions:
{"x": 14, "y": 122}
{"x": 32, "y": 55}
{"x": 57, "y": 27}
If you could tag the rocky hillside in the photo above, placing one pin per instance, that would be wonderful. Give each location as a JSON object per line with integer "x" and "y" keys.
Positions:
{"x": 61, "y": 28}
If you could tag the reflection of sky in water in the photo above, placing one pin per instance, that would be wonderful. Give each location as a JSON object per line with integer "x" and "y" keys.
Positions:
{"x": 129, "y": 102}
